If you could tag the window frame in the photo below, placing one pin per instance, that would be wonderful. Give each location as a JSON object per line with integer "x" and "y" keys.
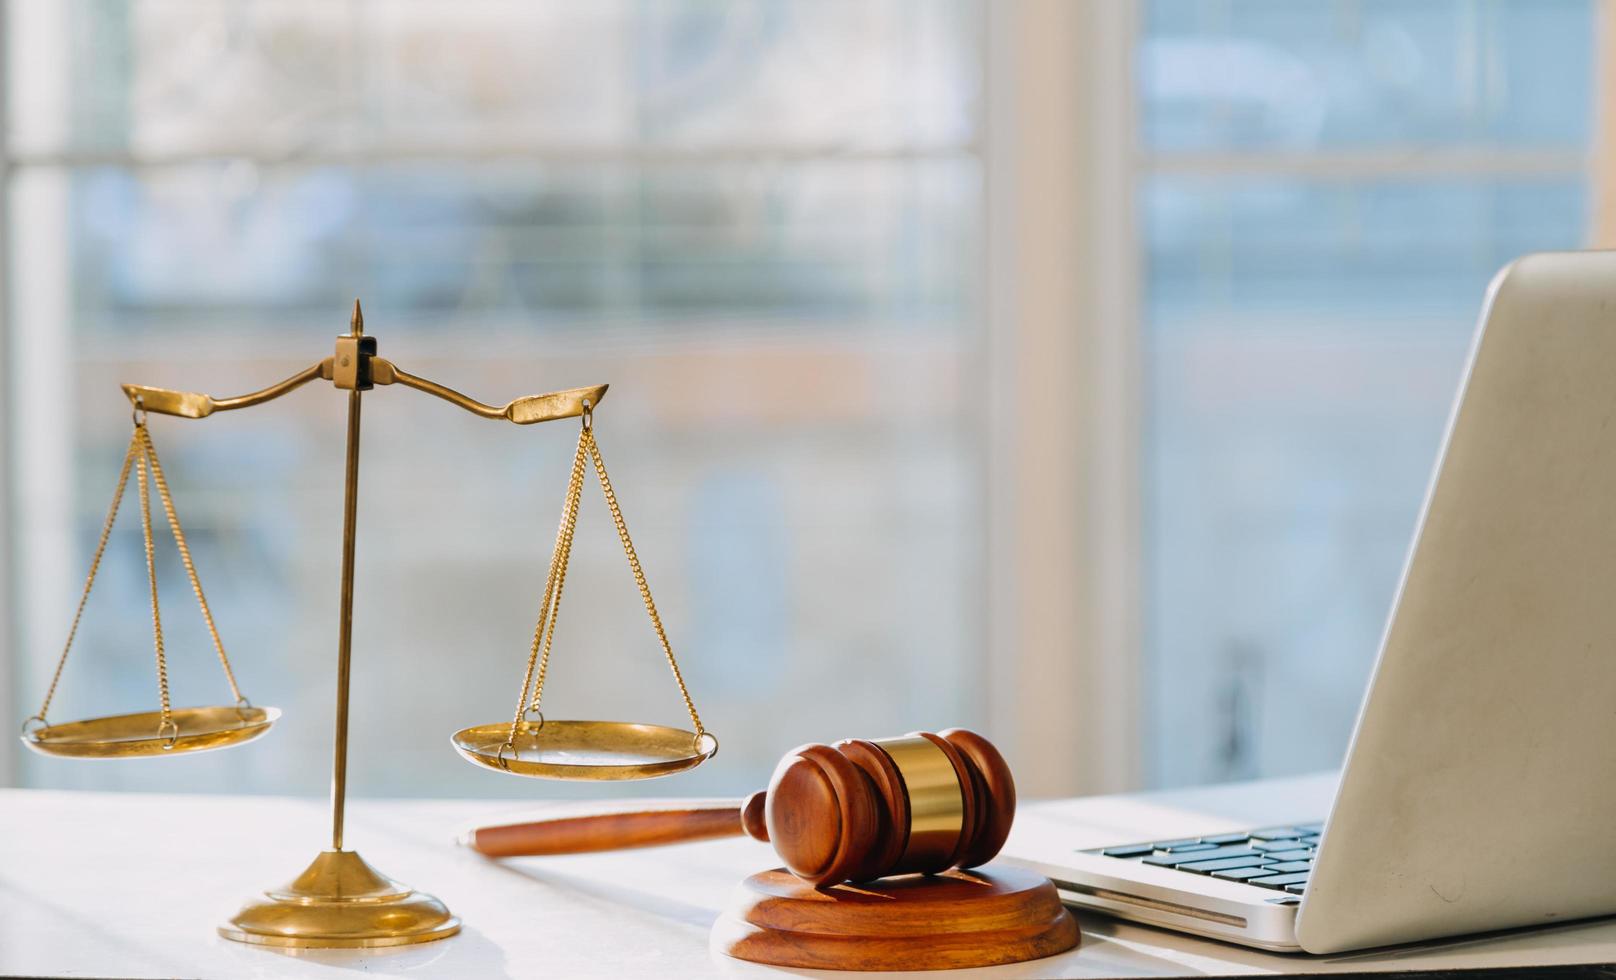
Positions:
{"x": 1064, "y": 466}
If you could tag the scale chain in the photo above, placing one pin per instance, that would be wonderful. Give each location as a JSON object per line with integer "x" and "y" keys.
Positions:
{"x": 95, "y": 565}
{"x": 639, "y": 579}
{"x": 190, "y": 566}
{"x": 140, "y": 455}
{"x": 167, "y": 724}
{"x": 544, "y": 631}
{"x": 569, "y": 519}
{"x": 559, "y": 562}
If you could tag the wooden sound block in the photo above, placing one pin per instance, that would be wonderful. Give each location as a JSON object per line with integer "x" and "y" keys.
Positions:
{"x": 982, "y": 917}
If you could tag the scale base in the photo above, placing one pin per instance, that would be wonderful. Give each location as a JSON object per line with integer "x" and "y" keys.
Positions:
{"x": 341, "y": 902}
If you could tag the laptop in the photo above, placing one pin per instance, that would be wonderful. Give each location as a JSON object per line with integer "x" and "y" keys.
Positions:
{"x": 1479, "y": 786}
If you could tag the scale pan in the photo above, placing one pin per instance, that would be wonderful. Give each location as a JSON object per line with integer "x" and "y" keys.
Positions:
{"x": 130, "y": 736}
{"x": 585, "y": 749}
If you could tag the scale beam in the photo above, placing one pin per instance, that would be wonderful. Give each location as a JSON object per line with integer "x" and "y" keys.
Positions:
{"x": 548, "y": 407}
{"x": 526, "y": 410}
{"x": 195, "y": 405}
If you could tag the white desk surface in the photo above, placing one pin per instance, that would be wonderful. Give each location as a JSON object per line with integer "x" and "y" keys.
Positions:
{"x": 103, "y": 884}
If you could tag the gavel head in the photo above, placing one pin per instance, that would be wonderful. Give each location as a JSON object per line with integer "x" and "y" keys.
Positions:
{"x": 868, "y": 808}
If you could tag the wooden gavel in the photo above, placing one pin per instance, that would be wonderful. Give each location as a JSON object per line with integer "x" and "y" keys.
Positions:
{"x": 859, "y": 810}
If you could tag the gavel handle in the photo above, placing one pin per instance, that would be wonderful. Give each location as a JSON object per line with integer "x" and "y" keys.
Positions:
{"x": 612, "y": 831}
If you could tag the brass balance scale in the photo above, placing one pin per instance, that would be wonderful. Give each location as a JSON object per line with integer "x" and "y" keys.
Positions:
{"x": 340, "y": 900}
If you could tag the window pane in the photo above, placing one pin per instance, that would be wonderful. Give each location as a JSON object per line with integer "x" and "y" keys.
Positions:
{"x": 1282, "y": 252}
{"x": 1313, "y": 275}
{"x": 164, "y": 77}
{"x": 1304, "y": 344}
{"x": 534, "y": 247}
{"x": 1225, "y": 75}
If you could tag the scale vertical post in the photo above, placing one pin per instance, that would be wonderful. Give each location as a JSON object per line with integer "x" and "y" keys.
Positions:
{"x": 350, "y": 517}
{"x": 339, "y": 900}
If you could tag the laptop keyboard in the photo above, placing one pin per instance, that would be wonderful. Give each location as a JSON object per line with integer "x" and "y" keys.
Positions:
{"x": 1280, "y": 858}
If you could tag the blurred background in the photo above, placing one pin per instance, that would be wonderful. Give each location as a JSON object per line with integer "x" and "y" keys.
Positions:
{"x": 1072, "y": 371}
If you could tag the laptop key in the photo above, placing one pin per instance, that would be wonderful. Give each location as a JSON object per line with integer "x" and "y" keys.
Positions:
{"x": 1167, "y": 845}
{"x": 1181, "y": 848}
{"x": 1221, "y": 864}
{"x": 1300, "y": 854}
{"x": 1275, "y": 845}
{"x": 1129, "y": 851}
{"x": 1290, "y": 867}
{"x": 1169, "y": 860}
{"x": 1297, "y": 889}
{"x": 1311, "y": 840}
{"x": 1226, "y": 839}
{"x": 1241, "y": 874}
{"x": 1311, "y": 828}
{"x": 1279, "y": 881}
{"x": 1277, "y": 833}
